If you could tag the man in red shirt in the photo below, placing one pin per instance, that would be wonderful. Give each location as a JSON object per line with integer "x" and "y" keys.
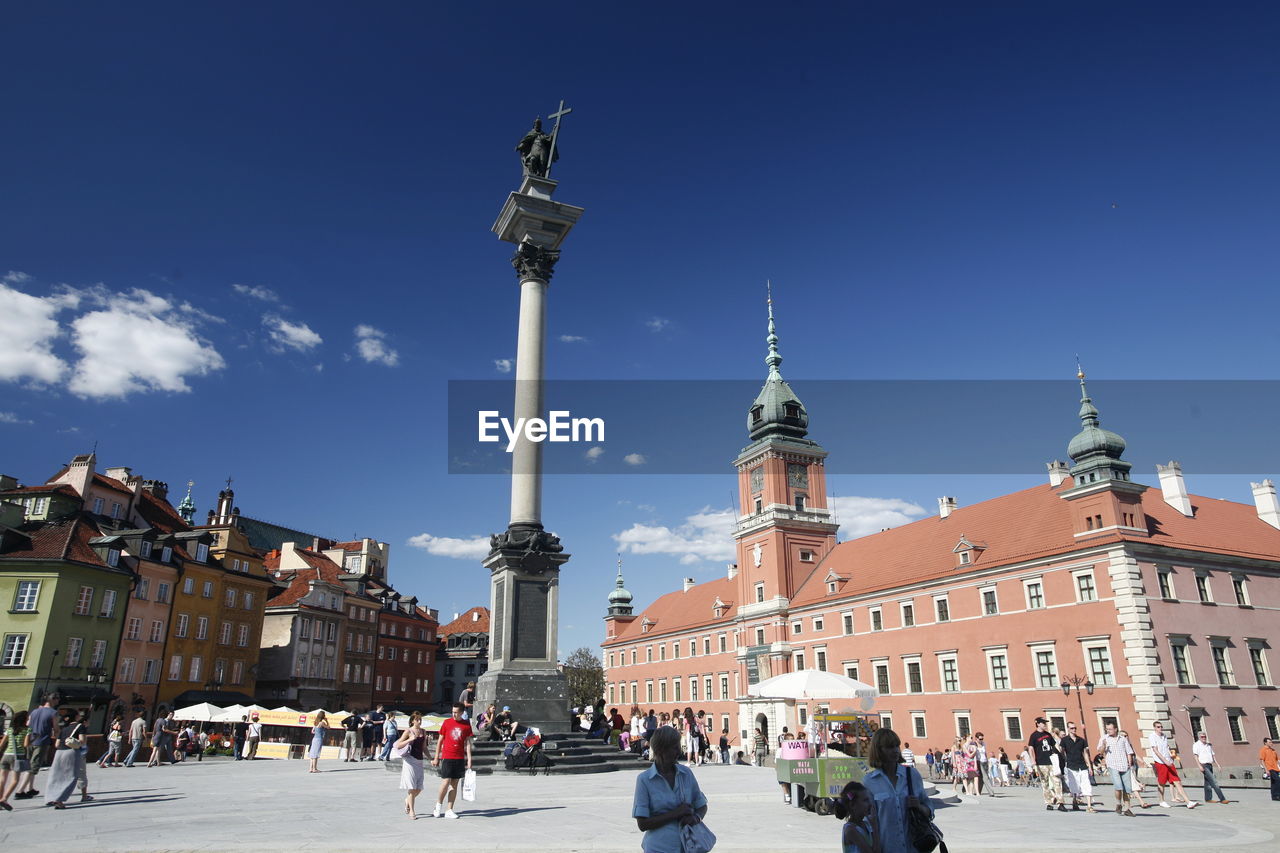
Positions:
{"x": 453, "y": 757}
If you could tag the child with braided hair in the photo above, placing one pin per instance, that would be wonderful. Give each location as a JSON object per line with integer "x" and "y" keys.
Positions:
{"x": 861, "y": 833}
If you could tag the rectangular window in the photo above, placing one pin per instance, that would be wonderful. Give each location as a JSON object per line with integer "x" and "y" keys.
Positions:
{"x": 1181, "y": 663}
{"x": 202, "y": 628}
{"x": 1261, "y": 675}
{"x": 990, "y": 606}
{"x": 116, "y": 509}
{"x": 1165, "y": 580}
{"x": 248, "y": 601}
{"x": 1046, "y": 668}
{"x": 877, "y": 619}
{"x": 846, "y": 621}
{"x": 84, "y": 601}
{"x": 798, "y": 660}
{"x": 942, "y": 609}
{"x": 796, "y": 628}
{"x": 304, "y": 628}
{"x": 74, "y": 645}
{"x": 693, "y": 690}
{"x": 1035, "y": 595}
{"x": 15, "y": 649}
{"x": 1100, "y": 666}
{"x": 759, "y": 593}
{"x": 917, "y": 725}
{"x": 882, "y": 678}
{"x": 1013, "y": 727}
{"x": 1202, "y": 589}
{"x": 950, "y": 674}
{"x": 157, "y": 631}
{"x": 113, "y": 557}
{"x": 1235, "y": 724}
{"x": 162, "y": 593}
{"x": 142, "y": 590}
{"x": 189, "y": 586}
{"x": 1242, "y": 596}
{"x": 151, "y": 671}
{"x": 196, "y": 663}
{"x": 908, "y": 615}
{"x": 720, "y": 644}
{"x": 1085, "y": 590}
{"x": 1222, "y": 665}
{"x": 98, "y": 503}
{"x": 1273, "y": 724}
{"x": 206, "y": 591}
{"x": 175, "y": 667}
{"x": 759, "y": 636}
{"x": 99, "y": 654}
{"x": 126, "y": 671}
{"x": 648, "y": 691}
{"x": 962, "y": 725}
{"x": 999, "y": 671}
{"x": 724, "y": 687}
{"x": 706, "y": 646}
{"x": 144, "y": 550}
{"x": 108, "y": 603}
{"x": 202, "y": 552}
{"x": 134, "y": 631}
{"x": 915, "y": 682}
{"x": 662, "y": 690}
{"x": 224, "y": 634}
{"x": 237, "y": 672}
{"x": 693, "y": 648}
{"x": 229, "y": 600}
{"x": 817, "y": 624}
{"x": 662, "y": 652}
{"x": 27, "y": 596}
{"x": 820, "y": 659}
{"x": 648, "y": 654}
{"x": 235, "y": 565}
{"x": 851, "y": 671}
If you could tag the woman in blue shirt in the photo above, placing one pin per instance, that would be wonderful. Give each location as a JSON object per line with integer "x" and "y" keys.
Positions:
{"x": 667, "y": 796}
{"x": 888, "y": 783}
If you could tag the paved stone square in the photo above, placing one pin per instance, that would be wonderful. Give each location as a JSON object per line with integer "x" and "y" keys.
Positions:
{"x": 276, "y": 805}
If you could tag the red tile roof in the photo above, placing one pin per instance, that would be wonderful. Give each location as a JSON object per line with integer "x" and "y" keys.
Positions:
{"x": 159, "y": 513}
{"x": 61, "y": 489}
{"x": 64, "y": 539}
{"x": 319, "y": 567}
{"x": 467, "y": 624}
{"x": 349, "y": 546}
{"x": 681, "y": 610}
{"x": 110, "y": 483}
{"x": 1032, "y": 523}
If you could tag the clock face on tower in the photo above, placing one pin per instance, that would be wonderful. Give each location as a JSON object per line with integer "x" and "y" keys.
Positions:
{"x": 757, "y": 479}
{"x": 797, "y": 476}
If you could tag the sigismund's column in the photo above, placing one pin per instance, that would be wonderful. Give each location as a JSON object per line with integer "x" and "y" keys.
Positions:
{"x": 524, "y": 561}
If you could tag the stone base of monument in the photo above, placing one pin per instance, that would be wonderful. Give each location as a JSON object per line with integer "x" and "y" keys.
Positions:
{"x": 536, "y": 697}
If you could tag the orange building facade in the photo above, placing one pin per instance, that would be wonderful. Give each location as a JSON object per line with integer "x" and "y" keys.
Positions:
{"x": 1165, "y": 604}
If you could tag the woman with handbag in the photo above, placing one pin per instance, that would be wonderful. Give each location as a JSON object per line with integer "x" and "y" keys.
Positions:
{"x": 903, "y": 813}
{"x": 411, "y": 749}
{"x": 67, "y": 769}
{"x": 667, "y": 798}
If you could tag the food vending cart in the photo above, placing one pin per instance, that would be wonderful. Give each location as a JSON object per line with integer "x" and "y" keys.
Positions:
{"x": 814, "y": 781}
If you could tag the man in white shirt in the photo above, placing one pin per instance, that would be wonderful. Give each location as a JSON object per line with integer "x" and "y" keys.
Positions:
{"x": 1166, "y": 771}
{"x": 255, "y": 736}
{"x": 1119, "y": 756}
{"x": 908, "y": 757}
{"x": 1205, "y": 756}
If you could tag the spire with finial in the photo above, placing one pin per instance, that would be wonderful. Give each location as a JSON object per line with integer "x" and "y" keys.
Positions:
{"x": 620, "y": 599}
{"x": 1095, "y": 451}
{"x": 776, "y": 410}
{"x": 774, "y": 358}
{"x": 187, "y": 509}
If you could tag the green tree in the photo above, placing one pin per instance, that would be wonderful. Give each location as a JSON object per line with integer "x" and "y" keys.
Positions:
{"x": 584, "y": 674}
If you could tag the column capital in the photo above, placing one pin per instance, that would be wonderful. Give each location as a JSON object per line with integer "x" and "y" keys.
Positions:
{"x": 532, "y": 261}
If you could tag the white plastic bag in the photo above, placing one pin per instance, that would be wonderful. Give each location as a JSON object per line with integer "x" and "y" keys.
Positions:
{"x": 469, "y": 786}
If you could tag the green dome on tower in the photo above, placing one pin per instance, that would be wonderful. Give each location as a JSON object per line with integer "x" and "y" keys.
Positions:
{"x": 776, "y": 410}
{"x": 1095, "y": 451}
{"x": 620, "y": 598}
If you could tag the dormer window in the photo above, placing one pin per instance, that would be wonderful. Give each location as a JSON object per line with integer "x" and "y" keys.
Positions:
{"x": 966, "y": 551}
{"x": 791, "y": 410}
{"x": 757, "y": 414}
{"x": 113, "y": 557}
{"x": 166, "y": 554}
{"x": 966, "y": 557}
{"x": 144, "y": 550}
{"x": 831, "y": 587}
{"x": 202, "y": 552}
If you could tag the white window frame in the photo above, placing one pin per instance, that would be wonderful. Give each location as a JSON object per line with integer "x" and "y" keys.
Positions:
{"x": 127, "y": 666}
{"x": 1005, "y": 717}
{"x": 759, "y": 593}
{"x": 1208, "y": 588}
{"x": 872, "y": 614}
{"x": 197, "y": 668}
{"x": 906, "y": 673}
{"x": 1182, "y": 642}
{"x": 1036, "y": 649}
{"x": 902, "y": 613}
{"x": 26, "y": 597}
{"x": 157, "y": 632}
{"x": 982, "y": 599}
{"x": 1087, "y": 650}
{"x": 846, "y": 623}
{"x": 876, "y": 664}
{"x": 1243, "y": 580}
{"x": 84, "y": 601}
{"x": 1260, "y": 647}
{"x": 850, "y": 669}
{"x": 1027, "y": 583}
{"x": 942, "y": 672}
{"x": 991, "y": 654}
{"x": 956, "y": 717}
{"x": 188, "y": 586}
{"x": 818, "y": 622}
{"x": 175, "y": 668}
{"x": 1215, "y": 644}
{"x": 919, "y": 727}
{"x": 946, "y": 602}
{"x": 1167, "y": 575}
{"x": 98, "y": 654}
{"x": 1075, "y": 585}
{"x": 202, "y": 628}
{"x": 14, "y": 650}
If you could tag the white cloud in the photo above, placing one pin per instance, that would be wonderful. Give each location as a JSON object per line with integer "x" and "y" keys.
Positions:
{"x": 572, "y": 339}
{"x": 266, "y": 294}
{"x": 705, "y": 535}
{"x": 138, "y": 341}
{"x": 371, "y": 344}
{"x": 657, "y": 324}
{"x": 504, "y": 365}
{"x": 15, "y": 277}
{"x": 11, "y": 418}
{"x": 860, "y": 516}
{"x": 634, "y": 459}
{"x": 285, "y": 335}
{"x": 594, "y": 453}
{"x": 475, "y": 548}
{"x": 28, "y": 329}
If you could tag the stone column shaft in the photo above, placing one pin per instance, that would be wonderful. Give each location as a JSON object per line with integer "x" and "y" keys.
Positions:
{"x": 526, "y": 456}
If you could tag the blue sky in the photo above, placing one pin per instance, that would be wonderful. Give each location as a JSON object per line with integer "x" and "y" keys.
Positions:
{"x": 254, "y": 242}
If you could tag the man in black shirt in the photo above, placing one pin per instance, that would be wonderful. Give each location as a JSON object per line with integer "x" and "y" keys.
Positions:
{"x": 1045, "y": 748}
{"x": 240, "y": 731}
{"x": 351, "y": 740}
{"x": 1075, "y": 761}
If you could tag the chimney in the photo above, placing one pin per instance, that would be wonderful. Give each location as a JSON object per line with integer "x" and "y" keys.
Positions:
{"x": 157, "y": 487}
{"x": 121, "y": 474}
{"x": 11, "y": 514}
{"x": 80, "y": 473}
{"x": 475, "y": 616}
{"x": 1057, "y": 472}
{"x": 7, "y": 482}
{"x": 688, "y": 584}
{"x": 1264, "y": 495}
{"x": 1174, "y": 487}
{"x": 946, "y": 506}
{"x": 733, "y": 571}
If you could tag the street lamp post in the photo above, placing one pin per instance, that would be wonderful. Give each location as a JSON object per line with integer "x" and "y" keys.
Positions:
{"x": 1077, "y": 682}
{"x": 53, "y": 660}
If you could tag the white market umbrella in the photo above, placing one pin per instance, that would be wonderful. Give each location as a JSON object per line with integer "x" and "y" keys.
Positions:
{"x": 285, "y": 709}
{"x": 813, "y": 684}
{"x": 202, "y": 712}
{"x": 231, "y": 714}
